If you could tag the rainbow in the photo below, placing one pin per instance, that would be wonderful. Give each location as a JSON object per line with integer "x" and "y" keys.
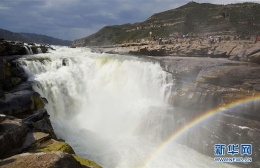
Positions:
{"x": 195, "y": 122}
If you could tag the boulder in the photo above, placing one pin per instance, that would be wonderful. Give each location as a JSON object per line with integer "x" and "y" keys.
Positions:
{"x": 20, "y": 102}
{"x": 34, "y": 138}
{"x": 12, "y": 131}
{"x": 43, "y": 160}
{"x": 39, "y": 121}
{"x": 53, "y": 145}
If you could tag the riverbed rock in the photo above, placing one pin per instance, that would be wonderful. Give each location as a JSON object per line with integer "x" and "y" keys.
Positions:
{"x": 43, "y": 160}
{"x": 239, "y": 52}
{"x": 223, "y": 50}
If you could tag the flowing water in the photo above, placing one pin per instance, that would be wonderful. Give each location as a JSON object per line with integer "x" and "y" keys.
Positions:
{"x": 98, "y": 102}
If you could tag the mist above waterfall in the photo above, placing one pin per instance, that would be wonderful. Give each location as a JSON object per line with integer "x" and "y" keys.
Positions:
{"x": 110, "y": 108}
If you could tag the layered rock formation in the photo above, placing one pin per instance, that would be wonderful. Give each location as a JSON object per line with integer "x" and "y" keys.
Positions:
{"x": 234, "y": 50}
{"x": 25, "y": 124}
{"x": 229, "y": 89}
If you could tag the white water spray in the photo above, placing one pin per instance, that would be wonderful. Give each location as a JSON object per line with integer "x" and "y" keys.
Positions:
{"x": 39, "y": 50}
{"x": 97, "y": 103}
{"x": 30, "y": 49}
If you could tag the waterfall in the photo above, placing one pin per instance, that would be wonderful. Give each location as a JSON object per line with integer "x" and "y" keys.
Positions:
{"x": 110, "y": 108}
{"x": 27, "y": 51}
{"x": 39, "y": 50}
{"x": 30, "y": 49}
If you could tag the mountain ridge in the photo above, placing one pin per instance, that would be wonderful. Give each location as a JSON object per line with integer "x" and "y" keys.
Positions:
{"x": 31, "y": 37}
{"x": 241, "y": 20}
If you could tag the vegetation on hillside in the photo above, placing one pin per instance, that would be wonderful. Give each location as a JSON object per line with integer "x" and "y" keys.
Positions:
{"x": 196, "y": 19}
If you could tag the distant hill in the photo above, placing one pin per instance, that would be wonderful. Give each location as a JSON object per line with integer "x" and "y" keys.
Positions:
{"x": 36, "y": 38}
{"x": 240, "y": 20}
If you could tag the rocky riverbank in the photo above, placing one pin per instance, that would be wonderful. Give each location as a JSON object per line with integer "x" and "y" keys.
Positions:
{"x": 204, "y": 84}
{"x": 27, "y": 138}
{"x": 234, "y": 50}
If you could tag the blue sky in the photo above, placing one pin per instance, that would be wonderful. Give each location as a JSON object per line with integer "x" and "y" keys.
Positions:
{"x": 74, "y": 19}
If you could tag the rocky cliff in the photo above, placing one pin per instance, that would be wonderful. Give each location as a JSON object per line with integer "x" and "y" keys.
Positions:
{"x": 229, "y": 89}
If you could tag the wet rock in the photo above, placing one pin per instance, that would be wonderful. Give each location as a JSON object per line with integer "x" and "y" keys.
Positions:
{"x": 44, "y": 125}
{"x": 20, "y": 87}
{"x": 34, "y": 49}
{"x": 34, "y": 138}
{"x": 16, "y": 81}
{"x": 43, "y": 160}
{"x": 21, "y": 101}
{"x": 12, "y": 131}
{"x": 2, "y": 117}
{"x": 44, "y": 49}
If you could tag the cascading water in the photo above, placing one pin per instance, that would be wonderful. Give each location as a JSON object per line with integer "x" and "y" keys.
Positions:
{"x": 39, "y": 50}
{"x": 30, "y": 49}
{"x": 27, "y": 51}
{"x": 98, "y": 102}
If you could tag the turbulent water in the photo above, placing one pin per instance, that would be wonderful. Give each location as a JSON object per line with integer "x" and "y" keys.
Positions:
{"x": 99, "y": 104}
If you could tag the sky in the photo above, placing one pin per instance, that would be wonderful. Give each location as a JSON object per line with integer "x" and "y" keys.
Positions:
{"x": 74, "y": 19}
